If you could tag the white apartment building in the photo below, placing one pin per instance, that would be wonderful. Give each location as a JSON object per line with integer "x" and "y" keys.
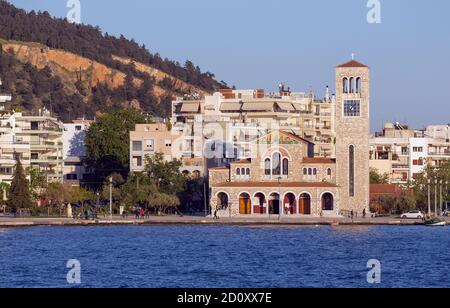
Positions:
{"x": 405, "y": 153}
{"x": 74, "y": 151}
{"x": 36, "y": 138}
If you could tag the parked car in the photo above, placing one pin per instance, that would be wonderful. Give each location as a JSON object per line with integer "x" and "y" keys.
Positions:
{"x": 413, "y": 215}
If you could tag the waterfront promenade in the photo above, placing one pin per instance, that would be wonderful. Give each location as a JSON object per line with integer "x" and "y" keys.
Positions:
{"x": 7, "y": 222}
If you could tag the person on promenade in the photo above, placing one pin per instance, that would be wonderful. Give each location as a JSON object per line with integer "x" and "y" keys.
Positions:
{"x": 364, "y": 214}
{"x": 352, "y": 215}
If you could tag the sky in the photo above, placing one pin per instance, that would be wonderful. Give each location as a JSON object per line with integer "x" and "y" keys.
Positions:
{"x": 260, "y": 43}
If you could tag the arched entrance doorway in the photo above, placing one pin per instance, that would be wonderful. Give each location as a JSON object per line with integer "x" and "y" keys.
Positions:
{"x": 327, "y": 202}
{"x": 245, "y": 204}
{"x": 290, "y": 204}
{"x": 305, "y": 204}
{"x": 260, "y": 206}
{"x": 274, "y": 204}
{"x": 222, "y": 201}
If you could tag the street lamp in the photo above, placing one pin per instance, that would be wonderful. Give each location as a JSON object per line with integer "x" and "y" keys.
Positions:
{"x": 110, "y": 198}
{"x": 280, "y": 202}
{"x": 429, "y": 198}
{"x": 436, "y": 197}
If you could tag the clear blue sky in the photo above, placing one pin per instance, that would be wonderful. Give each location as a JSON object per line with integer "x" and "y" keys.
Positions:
{"x": 259, "y": 43}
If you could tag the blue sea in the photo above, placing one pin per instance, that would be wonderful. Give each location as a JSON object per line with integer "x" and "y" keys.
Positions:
{"x": 225, "y": 256}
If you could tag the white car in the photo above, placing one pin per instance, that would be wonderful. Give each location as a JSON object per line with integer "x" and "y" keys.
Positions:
{"x": 413, "y": 215}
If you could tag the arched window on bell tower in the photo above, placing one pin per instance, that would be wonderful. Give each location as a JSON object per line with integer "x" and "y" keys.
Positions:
{"x": 358, "y": 85}
{"x": 345, "y": 85}
{"x": 352, "y": 85}
{"x": 351, "y": 171}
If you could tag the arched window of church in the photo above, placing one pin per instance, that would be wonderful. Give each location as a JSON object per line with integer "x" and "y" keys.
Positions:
{"x": 267, "y": 166}
{"x": 247, "y": 171}
{"x": 345, "y": 83}
{"x": 276, "y": 164}
{"x": 285, "y": 166}
{"x": 310, "y": 171}
{"x": 358, "y": 85}
{"x": 305, "y": 171}
{"x": 351, "y": 160}
{"x": 238, "y": 171}
{"x": 352, "y": 85}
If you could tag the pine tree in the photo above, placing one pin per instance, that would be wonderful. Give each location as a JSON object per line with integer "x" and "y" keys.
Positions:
{"x": 19, "y": 193}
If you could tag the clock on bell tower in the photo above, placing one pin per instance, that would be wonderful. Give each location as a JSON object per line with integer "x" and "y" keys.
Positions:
{"x": 352, "y": 125}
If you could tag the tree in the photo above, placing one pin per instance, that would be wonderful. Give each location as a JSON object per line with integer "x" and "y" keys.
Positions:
{"x": 165, "y": 175}
{"x": 108, "y": 142}
{"x": 377, "y": 178}
{"x": 19, "y": 196}
{"x": 428, "y": 179}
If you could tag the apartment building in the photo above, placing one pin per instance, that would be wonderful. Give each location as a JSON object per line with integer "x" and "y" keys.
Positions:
{"x": 36, "y": 138}
{"x": 239, "y": 117}
{"x": 404, "y": 153}
{"x": 75, "y": 170}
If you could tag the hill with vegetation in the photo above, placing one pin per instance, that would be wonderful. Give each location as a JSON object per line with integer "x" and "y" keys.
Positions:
{"x": 77, "y": 71}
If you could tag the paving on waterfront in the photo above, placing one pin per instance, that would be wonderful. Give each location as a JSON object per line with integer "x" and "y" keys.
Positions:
{"x": 192, "y": 220}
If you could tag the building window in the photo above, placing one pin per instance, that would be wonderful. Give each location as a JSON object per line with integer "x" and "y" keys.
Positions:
{"x": 137, "y": 161}
{"x": 345, "y": 84}
{"x": 78, "y": 128}
{"x": 358, "y": 85}
{"x": 248, "y": 171}
{"x": 238, "y": 171}
{"x": 285, "y": 166}
{"x": 310, "y": 171}
{"x": 276, "y": 164}
{"x": 351, "y": 160}
{"x": 72, "y": 177}
{"x": 267, "y": 167}
{"x": 314, "y": 171}
{"x": 329, "y": 172}
{"x": 418, "y": 162}
{"x": 149, "y": 144}
{"x": 305, "y": 171}
{"x": 417, "y": 149}
{"x": 137, "y": 146}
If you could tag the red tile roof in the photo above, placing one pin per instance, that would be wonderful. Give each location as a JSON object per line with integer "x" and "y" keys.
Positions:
{"x": 275, "y": 184}
{"x": 242, "y": 161}
{"x": 353, "y": 63}
{"x": 318, "y": 160}
{"x": 386, "y": 190}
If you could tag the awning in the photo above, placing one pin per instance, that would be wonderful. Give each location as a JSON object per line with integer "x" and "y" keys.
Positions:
{"x": 231, "y": 107}
{"x": 257, "y": 107}
{"x": 190, "y": 107}
{"x": 286, "y": 106}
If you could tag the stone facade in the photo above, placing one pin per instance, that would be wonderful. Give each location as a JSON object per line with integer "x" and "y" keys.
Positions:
{"x": 353, "y": 131}
{"x": 283, "y": 179}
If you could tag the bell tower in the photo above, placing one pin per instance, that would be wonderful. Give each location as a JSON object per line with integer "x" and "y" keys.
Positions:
{"x": 352, "y": 123}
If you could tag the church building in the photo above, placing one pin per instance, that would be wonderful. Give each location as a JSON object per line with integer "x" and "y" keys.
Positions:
{"x": 284, "y": 178}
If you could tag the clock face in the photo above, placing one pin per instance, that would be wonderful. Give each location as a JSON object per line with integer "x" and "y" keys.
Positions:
{"x": 352, "y": 108}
